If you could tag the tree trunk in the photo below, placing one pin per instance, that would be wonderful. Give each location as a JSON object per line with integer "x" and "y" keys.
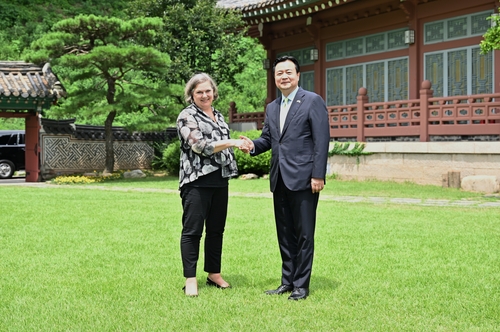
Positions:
{"x": 108, "y": 128}
{"x": 108, "y": 136}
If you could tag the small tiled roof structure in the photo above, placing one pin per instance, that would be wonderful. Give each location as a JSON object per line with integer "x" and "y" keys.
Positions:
{"x": 26, "y": 86}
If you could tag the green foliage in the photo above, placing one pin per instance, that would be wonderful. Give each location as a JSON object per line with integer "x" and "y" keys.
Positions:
{"x": 170, "y": 159}
{"x": 260, "y": 164}
{"x": 250, "y": 93}
{"x": 108, "y": 60}
{"x": 23, "y": 21}
{"x": 104, "y": 69}
{"x": 85, "y": 34}
{"x": 11, "y": 124}
{"x": 199, "y": 36}
{"x": 491, "y": 39}
{"x": 9, "y": 14}
{"x": 10, "y": 49}
{"x": 20, "y": 23}
{"x": 344, "y": 149}
{"x": 103, "y": 63}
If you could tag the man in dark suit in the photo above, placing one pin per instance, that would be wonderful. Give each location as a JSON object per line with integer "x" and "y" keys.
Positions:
{"x": 296, "y": 129}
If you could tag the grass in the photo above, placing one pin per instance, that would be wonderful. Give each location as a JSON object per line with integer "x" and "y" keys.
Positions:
{"x": 333, "y": 187}
{"x": 76, "y": 259}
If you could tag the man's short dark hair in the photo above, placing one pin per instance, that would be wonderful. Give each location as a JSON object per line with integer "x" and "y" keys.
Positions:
{"x": 286, "y": 58}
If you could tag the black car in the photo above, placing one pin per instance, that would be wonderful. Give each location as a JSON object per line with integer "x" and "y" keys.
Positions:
{"x": 12, "y": 152}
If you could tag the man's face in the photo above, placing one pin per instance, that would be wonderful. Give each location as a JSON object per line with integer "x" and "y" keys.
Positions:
{"x": 286, "y": 77}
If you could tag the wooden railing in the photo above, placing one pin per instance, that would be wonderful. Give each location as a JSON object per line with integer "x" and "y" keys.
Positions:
{"x": 421, "y": 118}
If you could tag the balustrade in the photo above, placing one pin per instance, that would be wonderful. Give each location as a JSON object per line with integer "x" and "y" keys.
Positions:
{"x": 415, "y": 118}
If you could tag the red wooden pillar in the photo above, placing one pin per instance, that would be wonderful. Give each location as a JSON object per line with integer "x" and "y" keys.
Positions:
{"x": 232, "y": 111}
{"x": 32, "y": 145}
{"x": 425, "y": 94}
{"x": 410, "y": 8}
{"x": 362, "y": 100}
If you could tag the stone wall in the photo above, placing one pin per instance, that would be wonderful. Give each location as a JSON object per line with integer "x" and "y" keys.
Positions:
{"x": 63, "y": 154}
{"x": 419, "y": 162}
{"x": 68, "y": 148}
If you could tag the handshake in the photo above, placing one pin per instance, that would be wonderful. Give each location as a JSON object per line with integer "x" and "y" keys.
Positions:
{"x": 245, "y": 144}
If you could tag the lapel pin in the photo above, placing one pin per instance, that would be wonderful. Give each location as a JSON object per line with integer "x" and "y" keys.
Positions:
{"x": 298, "y": 101}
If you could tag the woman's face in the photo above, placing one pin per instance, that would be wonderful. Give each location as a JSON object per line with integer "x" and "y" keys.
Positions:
{"x": 203, "y": 95}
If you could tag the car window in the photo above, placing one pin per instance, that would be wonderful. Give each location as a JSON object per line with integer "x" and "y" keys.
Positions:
{"x": 6, "y": 139}
{"x": 21, "y": 139}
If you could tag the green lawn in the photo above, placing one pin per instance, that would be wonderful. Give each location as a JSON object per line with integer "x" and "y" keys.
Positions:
{"x": 332, "y": 188}
{"x": 84, "y": 259}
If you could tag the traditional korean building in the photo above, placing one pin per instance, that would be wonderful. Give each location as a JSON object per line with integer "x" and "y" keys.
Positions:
{"x": 380, "y": 52}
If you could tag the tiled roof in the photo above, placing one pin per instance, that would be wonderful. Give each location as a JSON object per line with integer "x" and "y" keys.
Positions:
{"x": 262, "y": 11}
{"x": 87, "y": 132}
{"x": 26, "y": 80}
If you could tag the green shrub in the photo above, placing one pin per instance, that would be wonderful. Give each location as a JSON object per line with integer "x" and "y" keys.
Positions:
{"x": 344, "y": 149}
{"x": 159, "y": 148}
{"x": 247, "y": 164}
{"x": 170, "y": 159}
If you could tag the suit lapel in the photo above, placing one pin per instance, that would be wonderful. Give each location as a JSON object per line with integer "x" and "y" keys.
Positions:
{"x": 276, "y": 115}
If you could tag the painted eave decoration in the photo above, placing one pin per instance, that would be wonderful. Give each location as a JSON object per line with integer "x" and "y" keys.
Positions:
{"x": 258, "y": 11}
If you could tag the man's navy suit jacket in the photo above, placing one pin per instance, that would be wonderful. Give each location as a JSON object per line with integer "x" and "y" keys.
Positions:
{"x": 300, "y": 151}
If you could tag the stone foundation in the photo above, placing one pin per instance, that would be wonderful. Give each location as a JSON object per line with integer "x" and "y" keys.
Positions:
{"x": 419, "y": 162}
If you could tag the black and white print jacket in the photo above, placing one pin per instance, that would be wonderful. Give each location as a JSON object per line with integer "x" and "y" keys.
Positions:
{"x": 198, "y": 134}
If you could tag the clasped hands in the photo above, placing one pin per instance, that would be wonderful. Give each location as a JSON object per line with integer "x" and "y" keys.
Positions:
{"x": 245, "y": 144}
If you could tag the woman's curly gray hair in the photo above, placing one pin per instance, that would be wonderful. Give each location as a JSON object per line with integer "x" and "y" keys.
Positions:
{"x": 193, "y": 83}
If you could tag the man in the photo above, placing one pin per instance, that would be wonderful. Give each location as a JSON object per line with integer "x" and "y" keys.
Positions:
{"x": 296, "y": 129}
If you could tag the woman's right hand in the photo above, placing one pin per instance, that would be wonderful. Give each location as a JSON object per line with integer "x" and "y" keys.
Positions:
{"x": 237, "y": 143}
{"x": 247, "y": 144}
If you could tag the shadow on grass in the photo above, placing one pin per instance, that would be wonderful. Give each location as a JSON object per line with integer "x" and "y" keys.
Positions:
{"x": 324, "y": 283}
{"x": 317, "y": 283}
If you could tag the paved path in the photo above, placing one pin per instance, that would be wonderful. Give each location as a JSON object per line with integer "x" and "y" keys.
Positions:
{"x": 413, "y": 201}
{"x": 347, "y": 199}
{"x": 385, "y": 200}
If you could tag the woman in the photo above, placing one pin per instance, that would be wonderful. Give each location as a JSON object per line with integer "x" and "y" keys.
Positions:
{"x": 207, "y": 163}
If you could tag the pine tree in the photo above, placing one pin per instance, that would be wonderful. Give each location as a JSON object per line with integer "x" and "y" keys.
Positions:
{"x": 107, "y": 63}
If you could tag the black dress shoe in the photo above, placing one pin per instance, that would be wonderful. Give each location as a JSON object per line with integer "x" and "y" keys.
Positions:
{"x": 214, "y": 284}
{"x": 299, "y": 294}
{"x": 280, "y": 290}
